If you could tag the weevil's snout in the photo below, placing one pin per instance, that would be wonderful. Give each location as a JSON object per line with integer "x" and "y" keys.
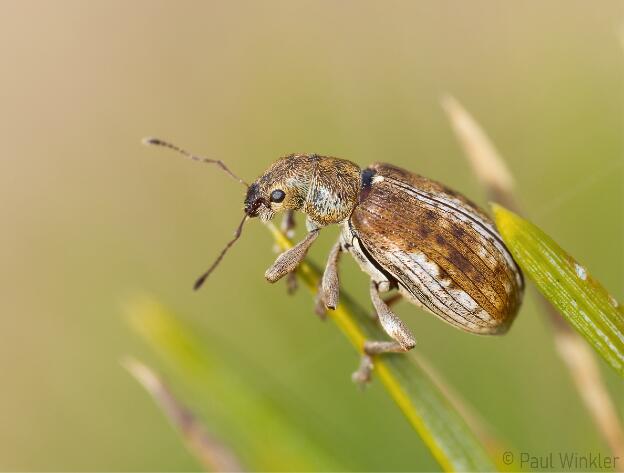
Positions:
{"x": 253, "y": 201}
{"x": 270, "y": 194}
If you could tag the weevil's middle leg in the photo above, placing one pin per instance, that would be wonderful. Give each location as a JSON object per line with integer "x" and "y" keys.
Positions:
{"x": 403, "y": 340}
{"x": 330, "y": 285}
{"x": 328, "y": 289}
{"x": 290, "y": 259}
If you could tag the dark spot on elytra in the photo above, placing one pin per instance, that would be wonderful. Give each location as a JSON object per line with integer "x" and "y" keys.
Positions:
{"x": 440, "y": 240}
{"x": 458, "y": 232}
{"x": 430, "y": 215}
{"x": 460, "y": 261}
{"x": 423, "y": 231}
{"x": 477, "y": 277}
{"x": 500, "y": 271}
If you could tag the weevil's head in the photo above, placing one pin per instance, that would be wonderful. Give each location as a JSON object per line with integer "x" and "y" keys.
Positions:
{"x": 283, "y": 186}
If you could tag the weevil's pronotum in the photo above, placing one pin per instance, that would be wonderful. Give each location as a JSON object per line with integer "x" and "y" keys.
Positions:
{"x": 410, "y": 234}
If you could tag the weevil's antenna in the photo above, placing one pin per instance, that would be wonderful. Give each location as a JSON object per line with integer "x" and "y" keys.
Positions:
{"x": 237, "y": 235}
{"x": 201, "y": 159}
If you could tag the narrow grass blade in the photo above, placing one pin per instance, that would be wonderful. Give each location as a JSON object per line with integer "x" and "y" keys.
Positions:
{"x": 425, "y": 407}
{"x": 210, "y": 451}
{"x": 491, "y": 170}
{"x": 258, "y": 431}
{"x": 589, "y": 308}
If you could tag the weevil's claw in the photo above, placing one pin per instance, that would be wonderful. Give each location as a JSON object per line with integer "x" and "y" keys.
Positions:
{"x": 320, "y": 308}
{"x": 319, "y": 305}
{"x": 291, "y": 283}
{"x": 362, "y": 376}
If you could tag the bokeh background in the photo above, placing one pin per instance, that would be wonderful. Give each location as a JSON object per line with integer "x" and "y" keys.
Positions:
{"x": 90, "y": 217}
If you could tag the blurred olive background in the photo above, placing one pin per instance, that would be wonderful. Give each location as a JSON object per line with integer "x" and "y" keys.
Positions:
{"x": 90, "y": 217}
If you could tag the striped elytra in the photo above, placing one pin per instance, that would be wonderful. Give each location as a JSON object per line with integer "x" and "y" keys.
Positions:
{"x": 439, "y": 249}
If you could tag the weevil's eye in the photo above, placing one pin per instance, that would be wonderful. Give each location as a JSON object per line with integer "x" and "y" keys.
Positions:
{"x": 277, "y": 195}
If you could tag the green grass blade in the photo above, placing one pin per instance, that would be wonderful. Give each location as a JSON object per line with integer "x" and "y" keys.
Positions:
{"x": 440, "y": 426}
{"x": 582, "y": 300}
{"x": 255, "y": 428}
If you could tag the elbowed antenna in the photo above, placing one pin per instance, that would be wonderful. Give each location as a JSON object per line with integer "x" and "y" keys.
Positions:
{"x": 237, "y": 235}
{"x": 221, "y": 164}
{"x": 183, "y": 152}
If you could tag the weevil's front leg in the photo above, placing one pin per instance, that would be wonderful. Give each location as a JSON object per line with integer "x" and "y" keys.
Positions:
{"x": 290, "y": 259}
{"x": 394, "y": 327}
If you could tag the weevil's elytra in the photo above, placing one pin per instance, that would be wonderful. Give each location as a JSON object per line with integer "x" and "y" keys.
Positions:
{"x": 408, "y": 233}
{"x": 443, "y": 251}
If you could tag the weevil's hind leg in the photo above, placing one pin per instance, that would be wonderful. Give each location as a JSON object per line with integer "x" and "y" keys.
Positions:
{"x": 403, "y": 340}
{"x": 390, "y": 322}
{"x": 389, "y": 301}
{"x": 290, "y": 259}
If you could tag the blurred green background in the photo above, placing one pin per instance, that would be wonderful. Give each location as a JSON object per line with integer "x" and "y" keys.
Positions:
{"x": 90, "y": 218}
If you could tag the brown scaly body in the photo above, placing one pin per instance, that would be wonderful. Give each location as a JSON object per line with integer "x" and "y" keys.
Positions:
{"x": 409, "y": 233}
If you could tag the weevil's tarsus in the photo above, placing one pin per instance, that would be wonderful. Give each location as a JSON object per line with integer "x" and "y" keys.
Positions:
{"x": 362, "y": 376}
{"x": 330, "y": 285}
{"x": 200, "y": 281}
{"x": 377, "y": 347}
{"x": 158, "y": 142}
{"x": 319, "y": 302}
{"x": 290, "y": 259}
{"x": 403, "y": 340}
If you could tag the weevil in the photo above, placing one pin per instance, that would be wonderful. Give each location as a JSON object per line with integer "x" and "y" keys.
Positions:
{"x": 410, "y": 234}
